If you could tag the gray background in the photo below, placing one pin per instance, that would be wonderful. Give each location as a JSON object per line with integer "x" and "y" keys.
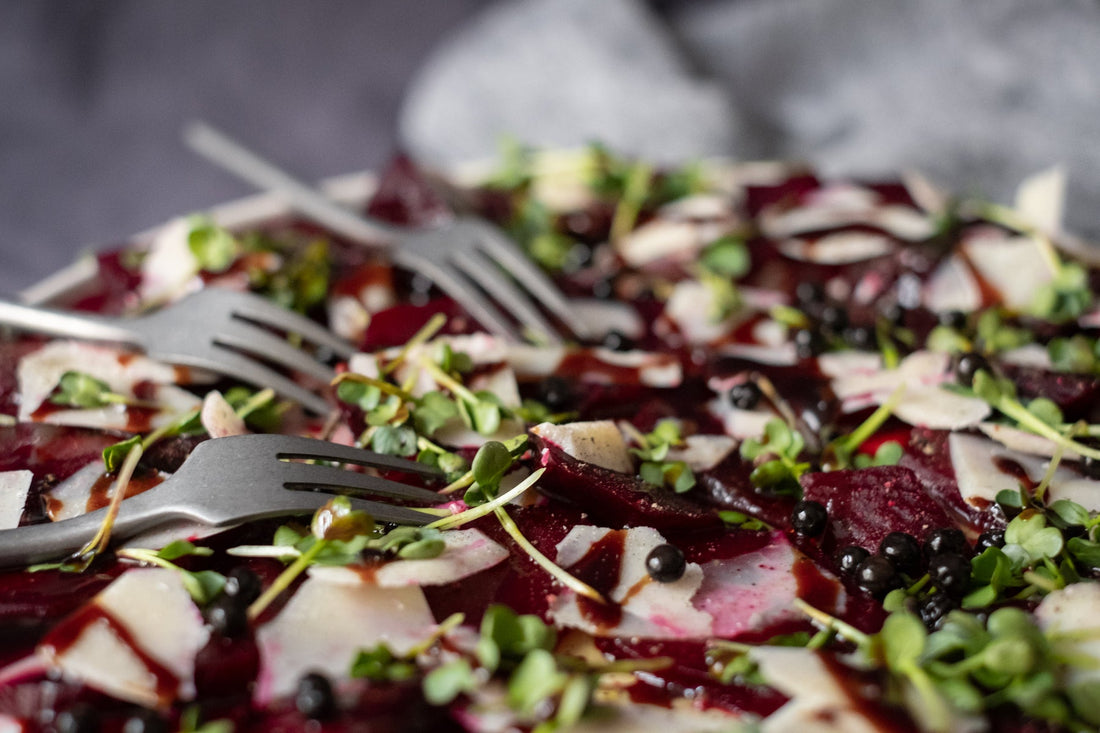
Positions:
{"x": 93, "y": 95}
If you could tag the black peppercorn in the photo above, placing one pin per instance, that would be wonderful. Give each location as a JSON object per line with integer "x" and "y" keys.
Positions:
{"x": 227, "y": 615}
{"x": 876, "y": 575}
{"x": 314, "y": 697}
{"x": 745, "y": 396}
{"x": 903, "y": 551}
{"x": 969, "y": 364}
{"x": 618, "y": 341}
{"x": 848, "y": 559}
{"x": 991, "y": 538}
{"x": 145, "y": 721}
{"x": 808, "y": 343}
{"x": 243, "y": 584}
{"x": 665, "y": 563}
{"x": 809, "y": 518}
{"x": 556, "y": 393}
{"x": 80, "y": 718}
{"x": 946, "y": 539}
{"x": 950, "y": 572}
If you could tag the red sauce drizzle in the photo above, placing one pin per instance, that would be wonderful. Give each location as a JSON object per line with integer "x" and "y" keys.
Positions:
{"x": 600, "y": 568}
{"x": 67, "y": 633}
{"x": 99, "y": 495}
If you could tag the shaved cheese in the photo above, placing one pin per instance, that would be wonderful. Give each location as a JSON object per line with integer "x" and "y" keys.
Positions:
{"x": 846, "y": 205}
{"x": 1041, "y": 198}
{"x": 347, "y": 317}
{"x": 219, "y": 418}
{"x": 467, "y": 551}
{"x": 663, "y": 238}
{"x": 818, "y": 702}
{"x": 324, "y": 624}
{"x": 978, "y": 470}
{"x": 142, "y": 664}
{"x": 690, "y": 306}
{"x": 922, "y": 403}
{"x": 978, "y": 478}
{"x": 14, "y": 487}
{"x": 750, "y": 591}
{"x": 703, "y": 452}
{"x": 649, "y": 609}
{"x": 1014, "y": 266}
{"x": 840, "y": 248}
{"x": 1023, "y": 441}
{"x": 40, "y": 371}
{"x": 1071, "y": 612}
{"x": 604, "y": 316}
{"x": 598, "y": 442}
{"x": 952, "y": 287}
{"x": 170, "y": 268}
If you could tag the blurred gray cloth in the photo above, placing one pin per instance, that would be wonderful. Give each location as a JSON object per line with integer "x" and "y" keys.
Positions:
{"x": 976, "y": 95}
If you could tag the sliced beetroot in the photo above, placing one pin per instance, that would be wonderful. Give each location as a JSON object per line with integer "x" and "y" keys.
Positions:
{"x": 405, "y": 197}
{"x": 867, "y": 504}
{"x": 1075, "y": 394}
{"x": 615, "y": 499}
{"x": 395, "y": 326}
{"x": 790, "y": 192}
{"x": 928, "y": 456}
{"x": 688, "y": 675}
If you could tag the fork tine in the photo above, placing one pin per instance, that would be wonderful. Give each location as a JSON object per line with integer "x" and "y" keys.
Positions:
{"x": 313, "y": 475}
{"x": 520, "y": 266}
{"x": 291, "y": 446}
{"x": 305, "y": 502}
{"x": 265, "y": 312}
{"x": 229, "y": 362}
{"x": 488, "y": 276}
{"x": 252, "y": 339}
{"x": 463, "y": 293}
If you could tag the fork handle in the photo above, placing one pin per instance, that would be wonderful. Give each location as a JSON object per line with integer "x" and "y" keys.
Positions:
{"x": 222, "y": 150}
{"x": 59, "y": 323}
{"x": 54, "y": 541}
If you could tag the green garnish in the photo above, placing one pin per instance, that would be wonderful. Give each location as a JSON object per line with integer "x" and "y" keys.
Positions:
{"x": 336, "y": 521}
{"x": 202, "y": 585}
{"x": 653, "y": 448}
{"x": 776, "y": 456}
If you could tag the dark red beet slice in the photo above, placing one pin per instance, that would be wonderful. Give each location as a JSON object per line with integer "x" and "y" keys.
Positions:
{"x": 867, "y": 504}
{"x": 405, "y": 197}
{"x": 615, "y": 499}
{"x": 1076, "y": 394}
{"x": 927, "y": 455}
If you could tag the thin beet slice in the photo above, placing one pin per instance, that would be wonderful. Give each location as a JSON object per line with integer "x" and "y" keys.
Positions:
{"x": 867, "y": 504}
{"x": 615, "y": 499}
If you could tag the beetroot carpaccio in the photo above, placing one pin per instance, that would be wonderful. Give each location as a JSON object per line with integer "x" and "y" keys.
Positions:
{"x": 826, "y": 461}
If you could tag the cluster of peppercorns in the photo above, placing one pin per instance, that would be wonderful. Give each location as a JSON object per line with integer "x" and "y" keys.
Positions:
{"x": 828, "y": 323}
{"x": 944, "y": 558}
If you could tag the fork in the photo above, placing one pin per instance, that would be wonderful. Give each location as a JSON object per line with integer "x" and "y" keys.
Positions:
{"x": 229, "y": 481}
{"x": 467, "y": 258}
{"x": 218, "y": 330}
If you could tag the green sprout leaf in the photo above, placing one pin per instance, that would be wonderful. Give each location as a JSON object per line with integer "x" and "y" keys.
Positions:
{"x": 214, "y": 248}
{"x": 445, "y": 683}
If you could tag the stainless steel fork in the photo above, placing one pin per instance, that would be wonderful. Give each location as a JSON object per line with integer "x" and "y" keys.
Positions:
{"x": 222, "y": 331}
{"x": 229, "y": 481}
{"x": 467, "y": 258}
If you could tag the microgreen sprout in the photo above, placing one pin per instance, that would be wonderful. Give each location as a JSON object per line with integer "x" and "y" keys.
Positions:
{"x": 336, "y": 521}
{"x": 653, "y": 448}
{"x": 776, "y": 458}
{"x": 202, "y": 585}
{"x": 1040, "y": 416}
